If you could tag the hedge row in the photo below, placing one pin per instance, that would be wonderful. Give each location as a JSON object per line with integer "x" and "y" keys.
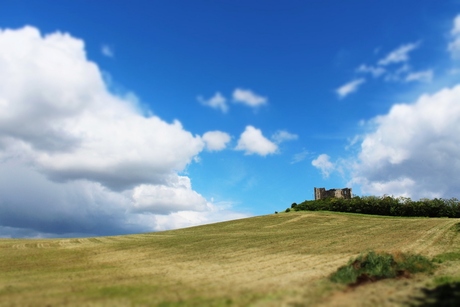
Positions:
{"x": 391, "y": 206}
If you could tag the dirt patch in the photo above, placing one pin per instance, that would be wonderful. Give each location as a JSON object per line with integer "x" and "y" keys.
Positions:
{"x": 364, "y": 278}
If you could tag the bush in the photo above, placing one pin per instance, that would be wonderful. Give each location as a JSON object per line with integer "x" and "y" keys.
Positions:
{"x": 293, "y": 205}
{"x": 375, "y": 266}
{"x": 288, "y": 210}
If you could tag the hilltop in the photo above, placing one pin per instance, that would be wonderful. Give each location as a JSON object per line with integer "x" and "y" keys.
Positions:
{"x": 272, "y": 260}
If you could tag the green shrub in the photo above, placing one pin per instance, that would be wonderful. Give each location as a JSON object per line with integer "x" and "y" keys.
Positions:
{"x": 375, "y": 266}
{"x": 414, "y": 263}
{"x": 288, "y": 209}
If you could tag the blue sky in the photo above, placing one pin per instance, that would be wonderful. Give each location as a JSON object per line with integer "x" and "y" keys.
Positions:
{"x": 121, "y": 117}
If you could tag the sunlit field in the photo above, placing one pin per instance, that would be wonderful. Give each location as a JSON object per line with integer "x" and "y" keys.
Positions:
{"x": 275, "y": 260}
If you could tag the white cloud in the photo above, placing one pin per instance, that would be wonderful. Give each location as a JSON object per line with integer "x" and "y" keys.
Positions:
{"x": 283, "y": 136}
{"x": 216, "y": 140}
{"x": 403, "y": 73}
{"x": 397, "y": 75}
{"x": 298, "y": 157}
{"x": 324, "y": 164}
{"x": 85, "y": 132}
{"x": 216, "y": 102}
{"x": 253, "y": 142}
{"x": 397, "y": 187}
{"x": 456, "y": 28}
{"x": 31, "y": 205}
{"x": 399, "y": 55}
{"x": 454, "y": 45}
{"x": 176, "y": 195}
{"x": 421, "y": 76}
{"x": 214, "y": 213}
{"x": 80, "y": 159}
{"x": 248, "y": 98}
{"x": 374, "y": 71}
{"x": 107, "y": 51}
{"x": 414, "y": 150}
{"x": 349, "y": 88}
{"x": 454, "y": 48}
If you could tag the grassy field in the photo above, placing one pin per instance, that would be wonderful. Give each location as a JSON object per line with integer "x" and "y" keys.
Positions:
{"x": 275, "y": 260}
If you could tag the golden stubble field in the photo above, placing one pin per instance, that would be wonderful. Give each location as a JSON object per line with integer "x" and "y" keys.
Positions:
{"x": 274, "y": 260}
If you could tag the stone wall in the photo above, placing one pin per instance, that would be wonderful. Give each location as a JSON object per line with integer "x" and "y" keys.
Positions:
{"x": 321, "y": 193}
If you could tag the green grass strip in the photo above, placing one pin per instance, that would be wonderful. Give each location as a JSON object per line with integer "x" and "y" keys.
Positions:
{"x": 375, "y": 266}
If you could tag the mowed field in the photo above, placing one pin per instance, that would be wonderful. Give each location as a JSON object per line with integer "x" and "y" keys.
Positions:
{"x": 275, "y": 260}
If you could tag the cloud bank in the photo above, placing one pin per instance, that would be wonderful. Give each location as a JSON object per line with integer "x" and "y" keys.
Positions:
{"x": 414, "y": 150}
{"x": 77, "y": 159}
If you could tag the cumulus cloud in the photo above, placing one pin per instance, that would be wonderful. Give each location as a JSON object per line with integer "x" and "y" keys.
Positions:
{"x": 248, "y": 97}
{"x": 323, "y": 163}
{"x": 399, "y": 55}
{"x": 215, "y": 213}
{"x": 216, "y": 140}
{"x": 107, "y": 51}
{"x": 216, "y": 102}
{"x": 176, "y": 195}
{"x": 253, "y": 142}
{"x": 91, "y": 162}
{"x": 33, "y": 206}
{"x": 349, "y": 87}
{"x": 454, "y": 45}
{"x": 413, "y": 150}
{"x": 283, "y": 136}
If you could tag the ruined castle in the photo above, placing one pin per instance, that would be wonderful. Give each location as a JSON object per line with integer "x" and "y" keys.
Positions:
{"x": 321, "y": 193}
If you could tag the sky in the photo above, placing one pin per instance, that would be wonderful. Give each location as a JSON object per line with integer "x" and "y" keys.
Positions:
{"x": 121, "y": 117}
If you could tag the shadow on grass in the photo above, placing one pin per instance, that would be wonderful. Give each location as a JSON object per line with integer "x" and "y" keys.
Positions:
{"x": 444, "y": 295}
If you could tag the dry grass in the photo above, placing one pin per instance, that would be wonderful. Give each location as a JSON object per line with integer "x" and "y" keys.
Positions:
{"x": 273, "y": 260}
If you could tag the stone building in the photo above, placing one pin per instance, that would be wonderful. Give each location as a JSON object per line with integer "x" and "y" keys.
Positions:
{"x": 321, "y": 193}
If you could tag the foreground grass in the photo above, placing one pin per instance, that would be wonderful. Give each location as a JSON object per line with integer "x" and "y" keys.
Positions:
{"x": 263, "y": 261}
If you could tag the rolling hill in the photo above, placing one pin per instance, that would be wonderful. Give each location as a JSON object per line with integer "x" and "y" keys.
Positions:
{"x": 273, "y": 260}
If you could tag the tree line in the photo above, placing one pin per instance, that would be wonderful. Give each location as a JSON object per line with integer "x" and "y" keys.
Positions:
{"x": 387, "y": 205}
